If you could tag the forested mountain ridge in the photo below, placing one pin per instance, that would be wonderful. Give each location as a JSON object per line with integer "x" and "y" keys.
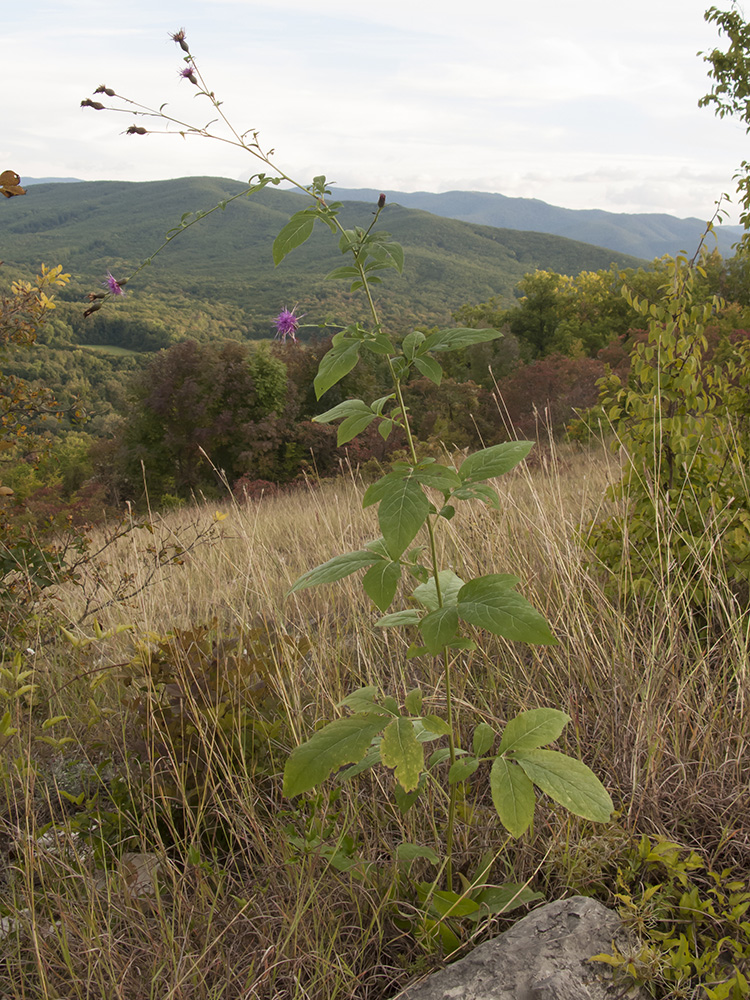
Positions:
{"x": 643, "y": 234}
{"x": 93, "y": 227}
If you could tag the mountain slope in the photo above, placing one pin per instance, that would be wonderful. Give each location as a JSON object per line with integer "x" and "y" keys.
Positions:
{"x": 643, "y": 235}
{"x": 93, "y": 227}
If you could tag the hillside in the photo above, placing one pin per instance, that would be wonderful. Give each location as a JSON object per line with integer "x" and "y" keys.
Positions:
{"x": 646, "y": 235}
{"x": 225, "y": 262}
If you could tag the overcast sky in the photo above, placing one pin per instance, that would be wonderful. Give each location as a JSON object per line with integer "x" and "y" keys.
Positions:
{"x": 579, "y": 103}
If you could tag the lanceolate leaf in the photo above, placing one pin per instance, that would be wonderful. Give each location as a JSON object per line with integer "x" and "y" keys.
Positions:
{"x": 400, "y": 749}
{"x": 567, "y": 781}
{"x": 512, "y": 795}
{"x": 377, "y": 490}
{"x": 349, "y": 408}
{"x": 438, "y": 628}
{"x": 430, "y": 369}
{"x": 363, "y": 700}
{"x": 533, "y": 729}
{"x": 456, "y": 338}
{"x": 295, "y": 232}
{"x": 495, "y": 461}
{"x": 410, "y": 617}
{"x": 353, "y": 426}
{"x": 402, "y": 512}
{"x": 483, "y": 738}
{"x": 490, "y": 602}
{"x": 333, "y": 366}
{"x": 380, "y": 582}
{"x": 450, "y": 585}
{"x": 501, "y": 898}
{"x": 343, "y": 741}
{"x": 462, "y": 769}
{"x": 336, "y": 569}
{"x": 439, "y": 477}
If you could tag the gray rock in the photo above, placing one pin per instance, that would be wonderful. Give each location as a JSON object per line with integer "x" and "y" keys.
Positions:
{"x": 545, "y": 956}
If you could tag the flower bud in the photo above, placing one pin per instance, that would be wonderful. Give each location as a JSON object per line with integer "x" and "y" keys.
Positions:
{"x": 88, "y": 103}
{"x": 105, "y": 90}
{"x": 136, "y": 130}
{"x": 179, "y": 37}
{"x": 92, "y": 309}
{"x": 381, "y": 201}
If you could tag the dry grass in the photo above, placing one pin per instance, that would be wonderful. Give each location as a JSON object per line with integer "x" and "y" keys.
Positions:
{"x": 657, "y": 698}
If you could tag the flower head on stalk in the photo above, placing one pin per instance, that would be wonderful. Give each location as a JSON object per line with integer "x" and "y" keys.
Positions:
{"x": 286, "y": 324}
{"x": 113, "y": 286}
{"x": 188, "y": 73}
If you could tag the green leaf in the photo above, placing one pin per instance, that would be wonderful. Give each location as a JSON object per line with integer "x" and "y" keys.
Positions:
{"x": 567, "y": 781}
{"x": 430, "y": 368}
{"x": 445, "y": 903}
{"x": 402, "y": 512}
{"x": 462, "y": 769}
{"x": 405, "y": 800}
{"x": 379, "y": 343}
{"x": 391, "y": 254}
{"x": 490, "y": 602}
{"x": 484, "y": 737}
{"x": 295, "y": 232}
{"x": 502, "y": 898}
{"x": 347, "y": 273}
{"x": 438, "y": 628}
{"x": 533, "y": 729}
{"x": 343, "y": 741}
{"x": 494, "y": 461}
{"x": 435, "y": 724}
{"x": 334, "y": 365}
{"x": 349, "y": 408}
{"x": 456, "y": 338}
{"x": 335, "y": 569}
{"x": 409, "y": 617}
{"x": 370, "y": 759}
{"x": 450, "y": 585}
{"x": 411, "y": 342}
{"x": 400, "y": 749}
{"x": 478, "y": 491}
{"x": 380, "y": 488}
{"x": 439, "y": 477}
{"x": 413, "y": 701}
{"x": 362, "y": 700}
{"x": 410, "y": 852}
{"x": 353, "y": 426}
{"x": 380, "y": 583}
{"x": 512, "y": 795}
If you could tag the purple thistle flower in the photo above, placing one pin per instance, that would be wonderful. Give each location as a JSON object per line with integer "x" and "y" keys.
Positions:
{"x": 113, "y": 285}
{"x": 286, "y": 324}
{"x": 188, "y": 73}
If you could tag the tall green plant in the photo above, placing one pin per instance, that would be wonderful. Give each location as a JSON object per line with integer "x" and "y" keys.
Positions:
{"x": 412, "y": 501}
{"x": 681, "y": 421}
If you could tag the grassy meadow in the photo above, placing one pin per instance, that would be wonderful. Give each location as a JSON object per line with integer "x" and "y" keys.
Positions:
{"x": 146, "y": 850}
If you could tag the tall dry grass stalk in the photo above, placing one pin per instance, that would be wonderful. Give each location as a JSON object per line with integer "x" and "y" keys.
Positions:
{"x": 657, "y": 696}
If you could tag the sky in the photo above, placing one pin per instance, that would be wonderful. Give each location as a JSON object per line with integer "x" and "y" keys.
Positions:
{"x": 579, "y": 103}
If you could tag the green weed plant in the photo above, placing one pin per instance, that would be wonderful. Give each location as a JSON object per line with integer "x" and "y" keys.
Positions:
{"x": 441, "y": 609}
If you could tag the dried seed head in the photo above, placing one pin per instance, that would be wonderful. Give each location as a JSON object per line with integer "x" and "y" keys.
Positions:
{"x": 105, "y": 90}
{"x": 136, "y": 130}
{"x": 88, "y": 103}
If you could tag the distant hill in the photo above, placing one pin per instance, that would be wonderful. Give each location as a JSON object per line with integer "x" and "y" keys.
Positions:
{"x": 225, "y": 261}
{"x": 643, "y": 235}
{"x": 51, "y": 180}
